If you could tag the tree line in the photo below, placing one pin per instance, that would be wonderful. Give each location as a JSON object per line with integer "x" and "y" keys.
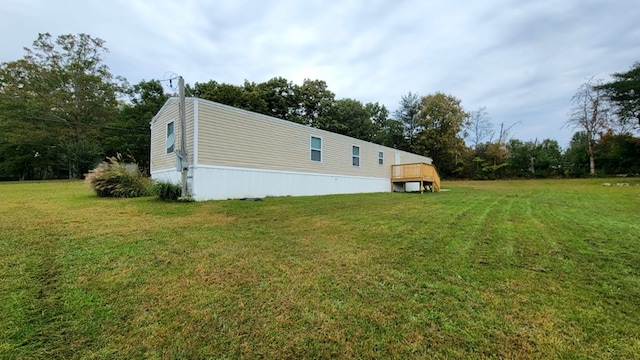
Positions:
{"x": 62, "y": 112}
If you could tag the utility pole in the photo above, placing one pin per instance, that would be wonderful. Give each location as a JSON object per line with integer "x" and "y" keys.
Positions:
{"x": 184, "y": 156}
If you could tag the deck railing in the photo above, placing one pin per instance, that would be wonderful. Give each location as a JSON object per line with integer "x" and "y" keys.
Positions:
{"x": 416, "y": 172}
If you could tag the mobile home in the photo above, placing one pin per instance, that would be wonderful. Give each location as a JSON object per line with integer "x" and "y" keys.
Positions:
{"x": 235, "y": 153}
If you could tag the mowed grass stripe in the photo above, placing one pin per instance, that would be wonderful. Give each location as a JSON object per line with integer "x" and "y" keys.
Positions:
{"x": 513, "y": 269}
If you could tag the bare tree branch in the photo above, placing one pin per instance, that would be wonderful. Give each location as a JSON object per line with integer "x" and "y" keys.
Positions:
{"x": 590, "y": 113}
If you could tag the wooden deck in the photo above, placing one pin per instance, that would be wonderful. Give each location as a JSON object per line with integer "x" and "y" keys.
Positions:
{"x": 425, "y": 174}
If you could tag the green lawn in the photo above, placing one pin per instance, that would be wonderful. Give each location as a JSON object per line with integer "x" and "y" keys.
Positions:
{"x": 508, "y": 269}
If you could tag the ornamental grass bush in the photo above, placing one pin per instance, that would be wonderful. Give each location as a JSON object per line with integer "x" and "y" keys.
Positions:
{"x": 115, "y": 178}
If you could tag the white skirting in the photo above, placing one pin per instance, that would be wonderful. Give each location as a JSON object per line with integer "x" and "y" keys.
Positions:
{"x": 167, "y": 175}
{"x": 218, "y": 183}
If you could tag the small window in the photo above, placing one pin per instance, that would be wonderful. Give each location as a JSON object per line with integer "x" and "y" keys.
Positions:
{"x": 171, "y": 138}
{"x": 355, "y": 155}
{"x": 316, "y": 149}
{"x": 380, "y": 158}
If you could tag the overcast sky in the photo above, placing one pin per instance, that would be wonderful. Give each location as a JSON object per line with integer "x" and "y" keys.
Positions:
{"x": 522, "y": 59}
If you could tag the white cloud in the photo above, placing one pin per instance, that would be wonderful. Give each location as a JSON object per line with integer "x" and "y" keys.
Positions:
{"x": 522, "y": 60}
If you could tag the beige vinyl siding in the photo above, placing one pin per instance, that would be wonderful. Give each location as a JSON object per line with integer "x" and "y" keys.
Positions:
{"x": 405, "y": 158}
{"x": 160, "y": 160}
{"x": 189, "y": 115}
{"x": 236, "y": 138}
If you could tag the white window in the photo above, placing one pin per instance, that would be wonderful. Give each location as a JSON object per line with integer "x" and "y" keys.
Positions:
{"x": 380, "y": 158}
{"x": 355, "y": 155}
{"x": 316, "y": 148}
{"x": 171, "y": 137}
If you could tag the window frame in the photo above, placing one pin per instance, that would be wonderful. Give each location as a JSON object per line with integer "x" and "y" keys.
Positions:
{"x": 312, "y": 149}
{"x": 354, "y": 157}
{"x": 170, "y": 149}
{"x": 380, "y": 157}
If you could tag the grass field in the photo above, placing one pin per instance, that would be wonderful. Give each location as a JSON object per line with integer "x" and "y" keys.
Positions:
{"x": 508, "y": 269}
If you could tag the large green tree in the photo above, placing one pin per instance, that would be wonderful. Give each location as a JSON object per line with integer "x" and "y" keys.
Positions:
{"x": 407, "y": 114}
{"x": 281, "y": 97}
{"x": 368, "y": 122}
{"x": 386, "y": 131}
{"x": 495, "y": 159}
{"x": 521, "y": 158}
{"x": 247, "y": 97}
{"x": 307, "y": 104}
{"x": 619, "y": 154}
{"x": 56, "y": 101}
{"x": 29, "y": 143}
{"x": 576, "y": 156}
{"x": 624, "y": 93}
{"x": 441, "y": 120}
{"x": 129, "y": 134}
{"x": 349, "y": 117}
{"x": 547, "y": 159}
{"x": 316, "y": 100}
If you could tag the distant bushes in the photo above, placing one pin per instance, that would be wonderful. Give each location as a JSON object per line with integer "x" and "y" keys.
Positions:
{"x": 114, "y": 178}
